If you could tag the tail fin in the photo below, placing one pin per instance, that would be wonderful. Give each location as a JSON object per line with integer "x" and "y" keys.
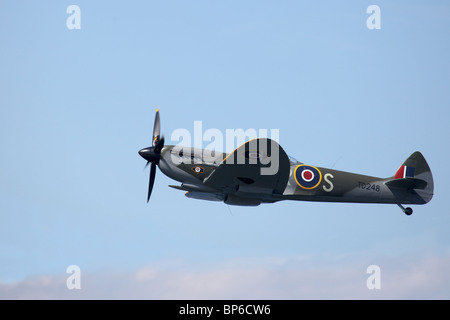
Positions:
{"x": 413, "y": 176}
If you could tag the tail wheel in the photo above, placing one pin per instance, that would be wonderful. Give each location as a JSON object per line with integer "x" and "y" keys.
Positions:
{"x": 408, "y": 211}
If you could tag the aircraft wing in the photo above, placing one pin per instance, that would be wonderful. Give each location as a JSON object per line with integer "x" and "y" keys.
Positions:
{"x": 259, "y": 166}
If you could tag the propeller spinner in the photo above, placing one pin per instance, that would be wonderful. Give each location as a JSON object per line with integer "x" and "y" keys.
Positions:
{"x": 153, "y": 154}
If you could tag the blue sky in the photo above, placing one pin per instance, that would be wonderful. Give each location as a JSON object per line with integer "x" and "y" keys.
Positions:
{"x": 77, "y": 105}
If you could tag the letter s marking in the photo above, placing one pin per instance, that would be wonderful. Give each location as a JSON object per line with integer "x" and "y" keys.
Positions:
{"x": 326, "y": 177}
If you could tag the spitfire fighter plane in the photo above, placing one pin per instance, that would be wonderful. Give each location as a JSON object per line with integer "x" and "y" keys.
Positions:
{"x": 260, "y": 171}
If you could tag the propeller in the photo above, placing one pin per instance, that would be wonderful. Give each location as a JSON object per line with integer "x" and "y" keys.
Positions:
{"x": 153, "y": 154}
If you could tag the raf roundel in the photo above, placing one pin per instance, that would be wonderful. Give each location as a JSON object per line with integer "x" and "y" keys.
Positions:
{"x": 307, "y": 177}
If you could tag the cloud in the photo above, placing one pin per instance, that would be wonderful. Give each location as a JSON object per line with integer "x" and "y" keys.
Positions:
{"x": 405, "y": 277}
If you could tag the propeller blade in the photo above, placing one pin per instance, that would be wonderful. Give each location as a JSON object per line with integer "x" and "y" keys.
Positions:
{"x": 153, "y": 154}
{"x": 156, "y": 127}
{"x": 151, "y": 180}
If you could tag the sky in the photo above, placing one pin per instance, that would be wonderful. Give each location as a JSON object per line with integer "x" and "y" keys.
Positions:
{"x": 76, "y": 105}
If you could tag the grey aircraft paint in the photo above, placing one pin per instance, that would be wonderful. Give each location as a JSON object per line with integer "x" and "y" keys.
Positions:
{"x": 259, "y": 171}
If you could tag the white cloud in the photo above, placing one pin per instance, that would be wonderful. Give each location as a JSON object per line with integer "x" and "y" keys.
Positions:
{"x": 405, "y": 277}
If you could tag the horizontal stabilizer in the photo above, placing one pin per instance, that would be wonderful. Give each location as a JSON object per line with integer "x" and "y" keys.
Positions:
{"x": 407, "y": 183}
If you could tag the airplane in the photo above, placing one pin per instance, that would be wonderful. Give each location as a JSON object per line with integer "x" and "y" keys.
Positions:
{"x": 260, "y": 171}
